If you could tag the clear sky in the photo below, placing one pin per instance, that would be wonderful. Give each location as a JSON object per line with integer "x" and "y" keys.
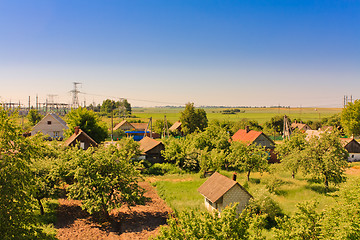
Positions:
{"x": 210, "y": 52}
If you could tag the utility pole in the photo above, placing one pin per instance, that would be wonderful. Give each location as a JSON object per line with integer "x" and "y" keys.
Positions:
{"x": 75, "y": 98}
{"x": 286, "y": 128}
{"x": 166, "y": 128}
{"x": 29, "y": 104}
{"x": 112, "y": 125}
{"x": 37, "y": 102}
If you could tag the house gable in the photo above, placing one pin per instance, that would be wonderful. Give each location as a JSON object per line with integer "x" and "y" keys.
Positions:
{"x": 51, "y": 125}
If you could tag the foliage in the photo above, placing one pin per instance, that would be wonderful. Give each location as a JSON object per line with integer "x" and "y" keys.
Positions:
{"x": 212, "y": 160}
{"x": 273, "y": 184}
{"x": 159, "y": 126}
{"x": 350, "y": 118}
{"x": 289, "y": 151}
{"x": 275, "y": 124}
{"x": 34, "y": 117}
{"x": 88, "y": 121}
{"x": 123, "y": 105}
{"x": 193, "y": 119}
{"x": 263, "y": 203}
{"x": 325, "y": 158}
{"x": 204, "y": 225}
{"x": 334, "y": 121}
{"x": 16, "y": 215}
{"x": 162, "y": 168}
{"x": 304, "y": 224}
{"x": 248, "y": 158}
{"x": 105, "y": 178}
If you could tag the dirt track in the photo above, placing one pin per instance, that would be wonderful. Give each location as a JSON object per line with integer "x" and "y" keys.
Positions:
{"x": 139, "y": 223}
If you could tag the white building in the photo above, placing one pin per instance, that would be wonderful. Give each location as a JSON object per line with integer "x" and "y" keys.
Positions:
{"x": 51, "y": 125}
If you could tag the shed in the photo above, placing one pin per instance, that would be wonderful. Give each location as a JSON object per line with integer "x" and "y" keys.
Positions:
{"x": 123, "y": 125}
{"x": 353, "y": 147}
{"x": 151, "y": 149}
{"x": 249, "y": 137}
{"x": 301, "y": 126}
{"x": 220, "y": 192}
{"x": 176, "y": 127}
{"x": 80, "y": 137}
{"x": 51, "y": 125}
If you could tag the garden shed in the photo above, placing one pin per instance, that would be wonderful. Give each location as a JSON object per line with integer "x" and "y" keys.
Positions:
{"x": 80, "y": 137}
{"x": 151, "y": 149}
{"x": 220, "y": 191}
{"x": 353, "y": 147}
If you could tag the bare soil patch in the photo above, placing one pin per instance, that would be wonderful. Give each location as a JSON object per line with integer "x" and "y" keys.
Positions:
{"x": 353, "y": 171}
{"x": 139, "y": 223}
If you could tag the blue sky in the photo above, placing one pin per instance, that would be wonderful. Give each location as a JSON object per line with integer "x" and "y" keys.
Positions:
{"x": 249, "y": 52}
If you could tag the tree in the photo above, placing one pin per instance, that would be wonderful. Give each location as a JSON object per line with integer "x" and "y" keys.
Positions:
{"x": 304, "y": 224}
{"x": 88, "y": 121}
{"x": 275, "y": 124}
{"x": 16, "y": 216}
{"x": 252, "y": 124}
{"x": 204, "y": 225}
{"x": 107, "y": 106}
{"x": 110, "y": 105}
{"x": 105, "y": 179}
{"x": 290, "y": 151}
{"x": 34, "y": 117}
{"x": 325, "y": 158}
{"x": 160, "y": 127}
{"x": 192, "y": 119}
{"x": 350, "y": 118}
{"x": 248, "y": 158}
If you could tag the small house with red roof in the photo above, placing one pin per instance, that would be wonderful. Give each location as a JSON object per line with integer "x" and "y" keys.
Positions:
{"x": 151, "y": 150}
{"x": 220, "y": 192}
{"x": 249, "y": 137}
{"x": 81, "y": 138}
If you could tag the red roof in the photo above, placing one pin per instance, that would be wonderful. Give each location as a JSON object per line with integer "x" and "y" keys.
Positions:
{"x": 246, "y": 137}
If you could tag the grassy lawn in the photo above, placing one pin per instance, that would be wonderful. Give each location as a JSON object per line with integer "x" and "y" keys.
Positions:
{"x": 180, "y": 190}
{"x": 48, "y": 220}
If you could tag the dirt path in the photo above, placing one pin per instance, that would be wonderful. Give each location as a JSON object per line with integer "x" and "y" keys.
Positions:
{"x": 139, "y": 223}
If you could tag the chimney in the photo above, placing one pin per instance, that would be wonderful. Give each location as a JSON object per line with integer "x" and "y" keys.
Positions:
{"x": 247, "y": 129}
{"x": 234, "y": 176}
{"x": 77, "y": 128}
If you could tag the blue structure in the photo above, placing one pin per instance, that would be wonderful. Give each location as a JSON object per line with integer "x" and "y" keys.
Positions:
{"x": 137, "y": 135}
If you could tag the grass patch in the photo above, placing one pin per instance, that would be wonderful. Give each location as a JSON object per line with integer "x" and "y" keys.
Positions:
{"x": 48, "y": 220}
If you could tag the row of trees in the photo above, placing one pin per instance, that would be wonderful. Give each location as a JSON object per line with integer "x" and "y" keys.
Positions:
{"x": 32, "y": 169}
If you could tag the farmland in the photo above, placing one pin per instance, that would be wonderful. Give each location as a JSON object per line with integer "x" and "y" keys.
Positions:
{"x": 259, "y": 114}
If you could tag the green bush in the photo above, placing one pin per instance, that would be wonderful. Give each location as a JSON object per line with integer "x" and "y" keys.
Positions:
{"x": 162, "y": 168}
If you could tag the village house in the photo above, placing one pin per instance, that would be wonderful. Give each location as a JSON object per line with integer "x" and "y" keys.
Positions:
{"x": 220, "y": 192}
{"x": 51, "y": 125}
{"x": 353, "y": 147}
{"x": 151, "y": 150}
{"x": 301, "y": 126}
{"x": 249, "y": 137}
{"x": 135, "y": 130}
{"x": 176, "y": 127}
{"x": 81, "y": 138}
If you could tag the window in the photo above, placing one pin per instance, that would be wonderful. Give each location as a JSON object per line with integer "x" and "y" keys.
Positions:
{"x": 56, "y": 134}
{"x": 49, "y": 122}
{"x": 82, "y": 145}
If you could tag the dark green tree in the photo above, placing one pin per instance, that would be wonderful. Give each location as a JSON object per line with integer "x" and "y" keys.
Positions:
{"x": 275, "y": 125}
{"x": 107, "y": 106}
{"x": 350, "y": 118}
{"x": 34, "y": 117}
{"x": 88, "y": 121}
{"x": 193, "y": 119}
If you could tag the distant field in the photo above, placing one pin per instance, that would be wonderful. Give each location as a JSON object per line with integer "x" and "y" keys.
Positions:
{"x": 259, "y": 114}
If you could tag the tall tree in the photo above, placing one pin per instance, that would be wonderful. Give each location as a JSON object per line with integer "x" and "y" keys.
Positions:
{"x": 88, "y": 121}
{"x": 325, "y": 158}
{"x": 350, "y": 118}
{"x": 248, "y": 158}
{"x": 192, "y": 119}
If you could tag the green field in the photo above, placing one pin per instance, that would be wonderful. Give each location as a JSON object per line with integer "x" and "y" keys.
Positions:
{"x": 259, "y": 114}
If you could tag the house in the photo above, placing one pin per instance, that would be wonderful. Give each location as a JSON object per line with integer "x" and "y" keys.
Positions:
{"x": 51, "y": 125}
{"x": 80, "y": 137}
{"x": 249, "y": 137}
{"x": 353, "y": 147}
{"x": 176, "y": 127}
{"x": 151, "y": 150}
{"x": 124, "y": 125}
{"x": 301, "y": 126}
{"x": 220, "y": 192}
